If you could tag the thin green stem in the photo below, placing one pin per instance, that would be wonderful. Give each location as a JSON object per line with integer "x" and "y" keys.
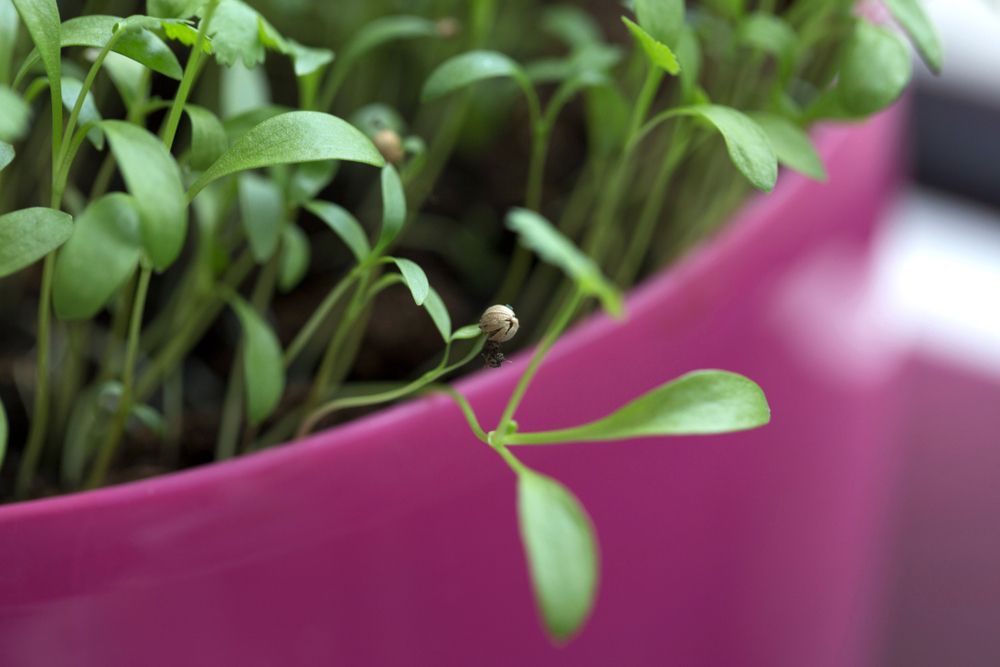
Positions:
{"x": 465, "y": 407}
{"x": 40, "y": 414}
{"x": 558, "y": 325}
{"x": 318, "y": 317}
{"x": 191, "y": 70}
{"x": 107, "y": 450}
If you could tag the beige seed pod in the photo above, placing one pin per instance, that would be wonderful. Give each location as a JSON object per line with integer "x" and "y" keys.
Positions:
{"x": 498, "y": 323}
{"x": 389, "y": 145}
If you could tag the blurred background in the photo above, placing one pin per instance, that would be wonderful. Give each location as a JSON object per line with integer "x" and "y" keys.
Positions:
{"x": 936, "y": 288}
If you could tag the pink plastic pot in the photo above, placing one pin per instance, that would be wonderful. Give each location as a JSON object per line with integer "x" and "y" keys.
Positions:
{"x": 393, "y": 540}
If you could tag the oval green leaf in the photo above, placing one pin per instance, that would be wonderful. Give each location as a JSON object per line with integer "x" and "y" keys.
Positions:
{"x": 98, "y": 258}
{"x": 911, "y": 16}
{"x": 658, "y": 53}
{"x": 791, "y": 145}
{"x": 538, "y": 234}
{"x": 296, "y": 136}
{"x": 294, "y": 259}
{"x": 29, "y": 234}
{"x": 439, "y": 313}
{"x": 262, "y": 211}
{"x": 468, "y": 68}
{"x": 343, "y": 225}
{"x": 208, "y": 137}
{"x": 874, "y": 70}
{"x": 748, "y": 146}
{"x": 382, "y": 31}
{"x": 415, "y": 279}
{"x": 393, "y": 207}
{"x": 41, "y": 18}
{"x": 561, "y": 549}
{"x": 699, "y": 403}
{"x": 153, "y": 178}
{"x": 137, "y": 43}
{"x": 467, "y": 332}
{"x": 263, "y": 367}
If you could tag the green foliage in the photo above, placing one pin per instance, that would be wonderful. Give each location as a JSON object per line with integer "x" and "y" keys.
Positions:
{"x": 659, "y": 54}
{"x": 343, "y": 225}
{"x": 7, "y": 154}
{"x": 699, "y": 403}
{"x": 208, "y": 137}
{"x": 154, "y": 180}
{"x": 29, "y": 234}
{"x": 791, "y": 144}
{"x": 294, "y": 261}
{"x": 393, "y": 207}
{"x": 561, "y": 549}
{"x": 469, "y": 68}
{"x": 98, "y": 258}
{"x": 41, "y": 18}
{"x": 14, "y": 119}
{"x": 912, "y": 17}
{"x": 538, "y": 234}
{"x": 415, "y": 279}
{"x": 263, "y": 367}
{"x": 262, "y": 209}
{"x": 663, "y": 20}
{"x": 296, "y": 136}
{"x": 874, "y": 71}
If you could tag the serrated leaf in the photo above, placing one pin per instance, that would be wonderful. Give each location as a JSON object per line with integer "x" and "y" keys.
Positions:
{"x": 294, "y": 259}
{"x": 186, "y": 35}
{"x": 699, "y": 403}
{"x": 439, "y": 313}
{"x": 98, "y": 258}
{"x": 469, "y": 68}
{"x": 538, "y": 234}
{"x": 154, "y": 180}
{"x": 14, "y": 119}
{"x": 663, "y": 20}
{"x": 29, "y": 234}
{"x": 88, "y": 112}
{"x": 393, "y": 207}
{"x": 235, "y": 34}
{"x": 6, "y": 154}
{"x": 911, "y": 16}
{"x": 343, "y": 225}
{"x": 208, "y": 137}
{"x": 262, "y": 212}
{"x": 659, "y": 54}
{"x": 296, "y": 136}
{"x": 561, "y": 549}
{"x": 874, "y": 70}
{"x": 747, "y": 144}
{"x": 136, "y": 43}
{"x": 305, "y": 60}
{"x": 415, "y": 279}
{"x": 263, "y": 366}
{"x": 791, "y": 144}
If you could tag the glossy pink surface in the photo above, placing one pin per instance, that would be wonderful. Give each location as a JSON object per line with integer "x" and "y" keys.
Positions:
{"x": 393, "y": 540}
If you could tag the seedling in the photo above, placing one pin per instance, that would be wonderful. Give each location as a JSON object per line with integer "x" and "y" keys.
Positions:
{"x": 148, "y": 223}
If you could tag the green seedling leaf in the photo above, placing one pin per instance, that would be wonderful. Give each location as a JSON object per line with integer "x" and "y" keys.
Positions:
{"x": 689, "y": 57}
{"x": 305, "y": 60}
{"x": 467, "y": 332}
{"x": 41, "y": 18}
{"x": 699, "y": 403}
{"x": 415, "y": 279}
{"x": 244, "y": 90}
{"x": 235, "y": 34}
{"x": 591, "y": 60}
{"x": 98, "y": 258}
{"x": 8, "y": 37}
{"x": 439, "y": 313}
{"x": 263, "y": 367}
{"x": 294, "y": 259}
{"x": 874, "y": 70}
{"x": 663, "y": 20}
{"x": 187, "y": 35}
{"x": 791, "y": 144}
{"x": 747, "y": 144}
{"x": 173, "y": 9}
{"x": 572, "y": 25}
{"x": 14, "y": 119}
{"x": 344, "y": 225}
{"x": 29, "y": 234}
{"x": 393, "y": 207}
{"x": 469, "y": 68}
{"x": 767, "y": 33}
{"x": 538, "y": 234}
{"x": 127, "y": 75}
{"x": 208, "y": 137}
{"x": 89, "y": 114}
{"x": 296, "y": 136}
{"x": 382, "y": 31}
{"x": 4, "y": 433}
{"x": 6, "y": 154}
{"x": 911, "y": 16}
{"x": 262, "y": 210}
{"x": 659, "y": 54}
{"x": 137, "y": 43}
{"x": 561, "y": 549}
{"x": 154, "y": 180}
